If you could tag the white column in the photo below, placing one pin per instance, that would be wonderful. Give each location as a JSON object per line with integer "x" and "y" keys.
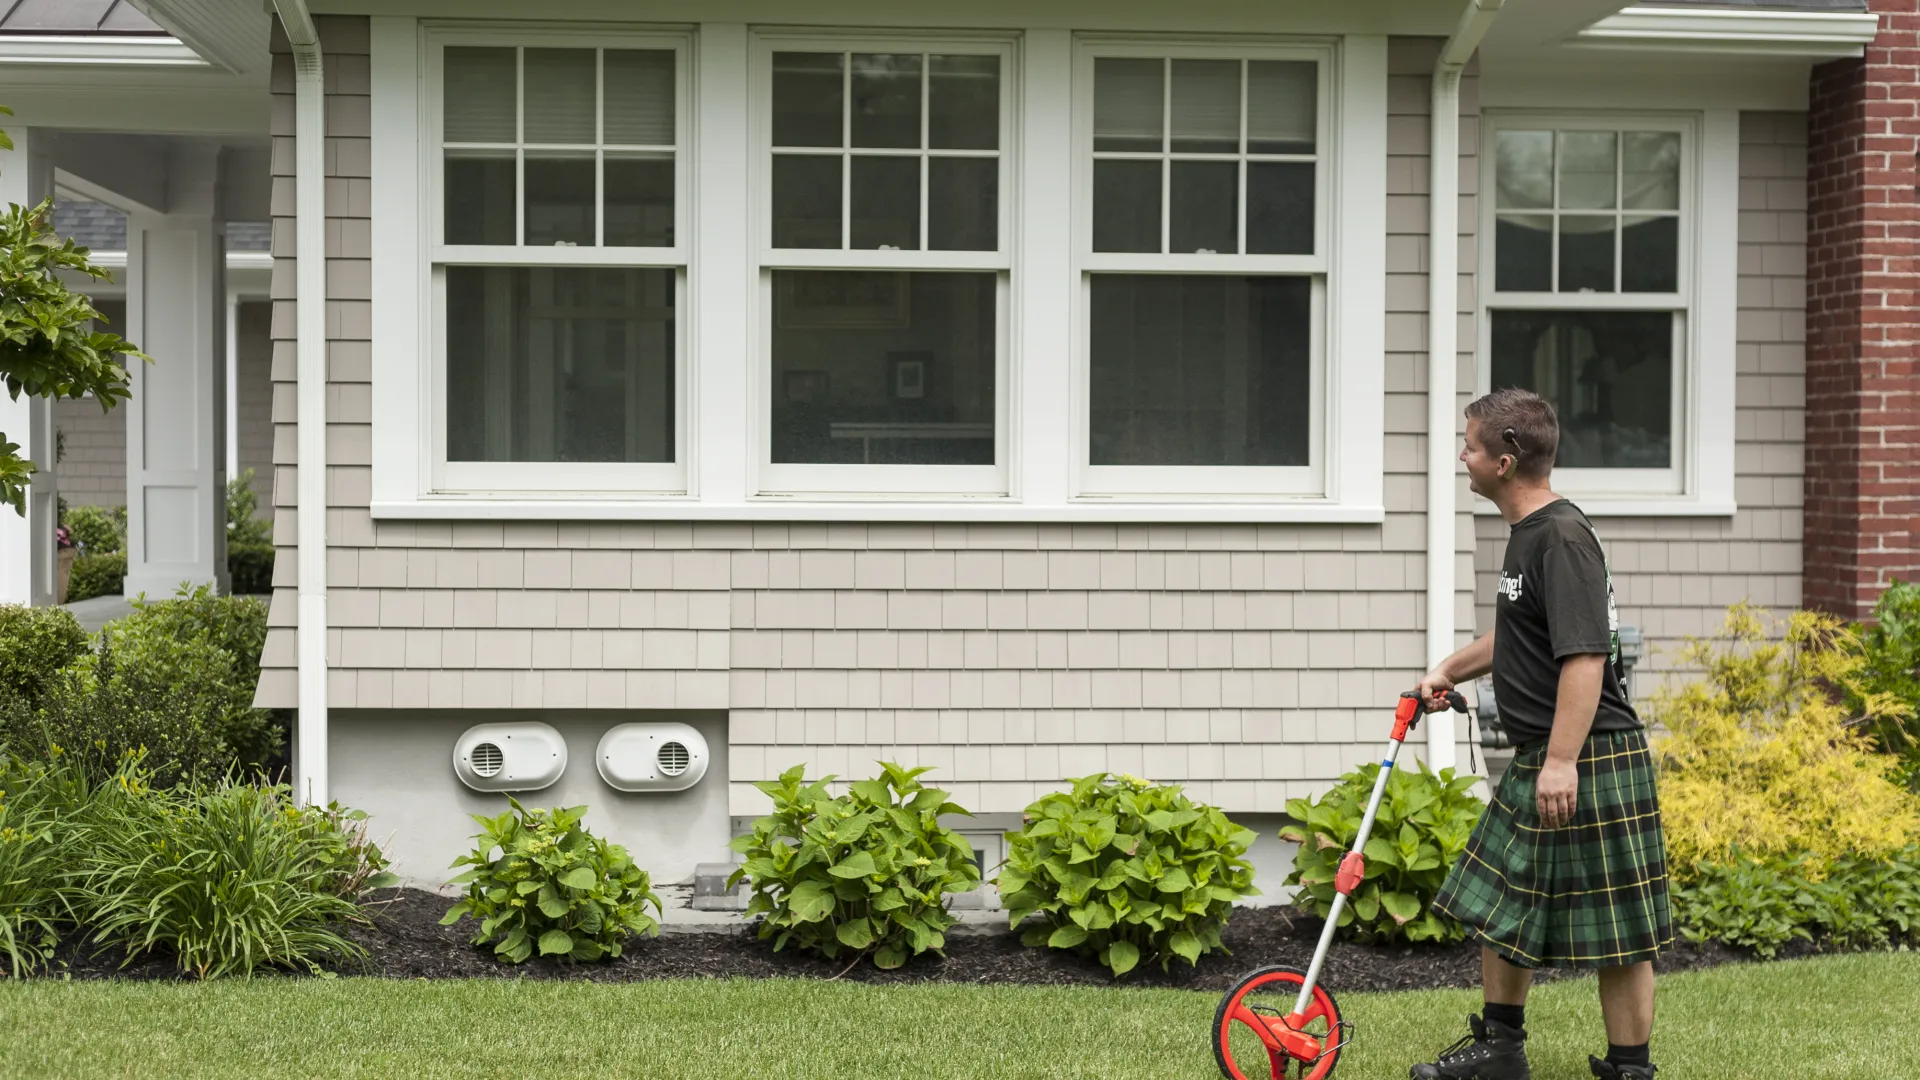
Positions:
{"x": 176, "y": 426}
{"x": 233, "y": 383}
{"x": 27, "y": 551}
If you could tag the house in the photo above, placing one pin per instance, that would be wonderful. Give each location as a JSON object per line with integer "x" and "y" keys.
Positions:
{"x": 1020, "y": 389}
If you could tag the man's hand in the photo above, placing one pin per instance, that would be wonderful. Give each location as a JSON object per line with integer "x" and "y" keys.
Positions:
{"x": 1556, "y": 792}
{"x": 1433, "y": 689}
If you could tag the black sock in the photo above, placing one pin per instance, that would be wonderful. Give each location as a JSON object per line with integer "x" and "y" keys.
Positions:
{"x": 1513, "y": 1016}
{"x": 1628, "y": 1055}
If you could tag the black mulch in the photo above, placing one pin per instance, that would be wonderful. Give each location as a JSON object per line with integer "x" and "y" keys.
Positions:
{"x": 404, "y": 940}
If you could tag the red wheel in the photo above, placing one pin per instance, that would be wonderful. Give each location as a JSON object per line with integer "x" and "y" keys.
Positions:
{"x": 1249, "y": 1027}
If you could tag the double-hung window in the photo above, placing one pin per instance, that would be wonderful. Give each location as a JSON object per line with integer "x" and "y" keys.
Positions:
{"x": 881, "y": 195}
{"x": 557, "y": 248}
{"x": 1587, "y": 290}
{"x": 1203, "y": 248}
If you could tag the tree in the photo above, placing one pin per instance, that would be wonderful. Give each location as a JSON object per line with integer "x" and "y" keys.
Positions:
{"x": 48, "y": 346}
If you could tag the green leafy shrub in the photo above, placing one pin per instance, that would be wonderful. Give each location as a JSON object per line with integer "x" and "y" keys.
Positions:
{"x": 1762, "y": 904}
{"x": 228, "y": 879}
{"x": 1421, "y": 829}
{"x": 250, "y": 569}
{"x": 866, "y": 872}
{"x": 1762, "y": 756}
{"x": 244, "y": 529}
{"x": 37, "y": 800}
{"x": 554, "y": 887}
{"x": 1126, "y": 872}
{"x": 97, "y": 575}
{"x": 35, "y": 643}
{"x": 98, "y": 529}
{"x": 1886, "y": 690}
{"x": 237, "y": 626}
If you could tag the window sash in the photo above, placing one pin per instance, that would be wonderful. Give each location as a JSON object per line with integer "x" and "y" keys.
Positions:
{"x": 434, "y": 147}
{"x": 1680, "y": 476}
{"x": 760, "y": 89}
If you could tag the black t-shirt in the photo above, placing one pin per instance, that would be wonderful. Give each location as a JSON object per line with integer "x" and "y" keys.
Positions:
{"x": 1556, "y": 601}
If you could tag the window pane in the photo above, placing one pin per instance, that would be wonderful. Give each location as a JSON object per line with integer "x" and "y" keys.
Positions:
{"x": 1586, "y": 253}
{"x": 1650, "y": 254}
{"x": 639, "y": 102}
{"x": 560, "y": 95}
{"x": 1205, "y": 207}
{"x": 1652, "y": 170}
{"x": 886, "y": 202}
{"x": 1280, "y": 208}
{"x": 1206, "y": 106}
{"x": 1201, "y": 370}
{"x": 1523, "y": 165}
{"x": 1587, "y": 166}
{"x": 963, "y": 109}
{"x": 1609, "y": 375}
{"x": 560, "y": 198}
{"x": 560, "y": 364}
{"x": 883, "y": 367}
{"x": 963, "y": 204}
{"x": 808, "y": 99}
{"x": 1129, "y": 104}
{"x": 1523, "y": 253}
{"x": 806, "y": 201}
{"x": 1126, "y": 206}
{"x": 639, "y": 197}
{"x": 480, "y": 197}
{"x": 1282, "y": 106}
{"x": 480, "y": 89}
{"x": 886, "y": 100}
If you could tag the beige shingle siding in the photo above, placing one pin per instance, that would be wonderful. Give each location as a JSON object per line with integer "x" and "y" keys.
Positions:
{"x": 1676, "y": 576}
{"x": 1253, "y": 663}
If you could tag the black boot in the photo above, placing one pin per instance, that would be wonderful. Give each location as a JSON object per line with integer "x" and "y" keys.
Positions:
{"x": 1607, "y": 1070}
{"x": 1493, "y": 1051}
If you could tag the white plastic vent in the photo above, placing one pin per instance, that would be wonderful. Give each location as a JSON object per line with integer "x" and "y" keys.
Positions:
{"x": 487, "y": 760}
{"x": 520, "y": 756}
{"x": 652, "y": 757}
{"x": 674, "y": 759}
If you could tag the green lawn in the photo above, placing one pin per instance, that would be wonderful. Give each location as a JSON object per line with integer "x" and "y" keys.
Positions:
{"x": 1851, "y": 1016}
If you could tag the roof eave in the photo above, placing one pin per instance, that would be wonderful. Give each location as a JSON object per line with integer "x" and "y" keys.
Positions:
{"x": 1819, "y": 35}
{"x": 115, "y": 50}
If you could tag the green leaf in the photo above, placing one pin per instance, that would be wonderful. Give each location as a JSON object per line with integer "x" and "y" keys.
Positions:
{"x": 1067, "y": 937}
{"x": 1174, "y": 880}
{"x": 857, "y": 934}
{"x": 811, "y": 901}
{"x": 580, "y": 877}
{"x": 1185, "y": 945}
{"x": 453, "y": 913}
{"x": 555, "y": 943}
{"x": 1122, "y": 956}
{"x": 890, "y": 956}
{"x": 857, "y": 865}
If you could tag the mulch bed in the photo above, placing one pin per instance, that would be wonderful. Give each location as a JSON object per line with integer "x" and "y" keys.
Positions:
{"x": 405, "y": 940}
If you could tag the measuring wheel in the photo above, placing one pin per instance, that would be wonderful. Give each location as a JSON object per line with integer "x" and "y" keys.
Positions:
{"x": 1255, "y": 1037}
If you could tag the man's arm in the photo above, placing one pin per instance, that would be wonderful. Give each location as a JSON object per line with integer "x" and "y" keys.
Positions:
{"x": 1579, "y": 700}
{"x": 1466, "y": 665}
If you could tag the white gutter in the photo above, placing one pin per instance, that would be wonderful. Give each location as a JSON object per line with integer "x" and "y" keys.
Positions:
{"x": 1754, "y": 32}
{"x": 1443, "y": 361}
{"x": 310, "y": 339}
{"x": 131, "y": 50}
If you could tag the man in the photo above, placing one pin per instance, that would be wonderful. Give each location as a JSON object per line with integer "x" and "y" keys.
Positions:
{"x": 1567, "y": 868}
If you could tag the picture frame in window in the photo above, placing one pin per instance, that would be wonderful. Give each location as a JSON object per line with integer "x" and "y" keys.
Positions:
{"x": 844, "y": 300}
{"x": 909, "y": 375}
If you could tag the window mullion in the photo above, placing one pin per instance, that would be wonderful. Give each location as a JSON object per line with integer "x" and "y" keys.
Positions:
{"x": 926, "y": 144}
{"x": 1246, "y": 174}
{"x": 846, "y": 152}
{"x": 1166, "y": 156}
{"x": 519, "y": 148}
{"x": 1619, "y": 208}
{"x": 599, "y": 148}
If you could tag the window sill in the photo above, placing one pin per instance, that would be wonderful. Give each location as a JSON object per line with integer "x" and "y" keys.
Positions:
{"x": 1624, "y": 506}
{"x": 1306, "y": 512}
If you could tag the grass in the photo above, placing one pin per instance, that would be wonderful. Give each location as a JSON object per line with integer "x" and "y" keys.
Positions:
{"x": 1833, "y": 1017}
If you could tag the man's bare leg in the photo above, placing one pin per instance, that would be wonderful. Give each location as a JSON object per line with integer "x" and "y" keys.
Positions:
{"x": 1626, "y": 1001}
{"x": 1506, "y": 984}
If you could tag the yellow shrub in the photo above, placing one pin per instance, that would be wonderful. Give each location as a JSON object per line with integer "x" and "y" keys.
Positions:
{"x": 1761, "y": 757}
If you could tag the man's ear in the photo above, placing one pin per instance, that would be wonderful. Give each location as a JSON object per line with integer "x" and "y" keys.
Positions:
{"x": 1507, "y": 464}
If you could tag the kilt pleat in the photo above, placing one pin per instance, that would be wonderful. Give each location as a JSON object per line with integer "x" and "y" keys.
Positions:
{"x": 1588, "y": 895}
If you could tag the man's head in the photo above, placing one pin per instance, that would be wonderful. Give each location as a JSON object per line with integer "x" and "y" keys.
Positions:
{"x": 1512, "y": 437}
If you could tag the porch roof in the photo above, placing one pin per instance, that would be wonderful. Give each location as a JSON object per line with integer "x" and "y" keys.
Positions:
{"x": 71, "y": 17}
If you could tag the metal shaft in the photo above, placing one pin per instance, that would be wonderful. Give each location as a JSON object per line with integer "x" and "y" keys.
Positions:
{"x": 1340, "y": 899}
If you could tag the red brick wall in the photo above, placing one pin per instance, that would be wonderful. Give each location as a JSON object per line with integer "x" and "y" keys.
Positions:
{"x": 1863, "y": 320}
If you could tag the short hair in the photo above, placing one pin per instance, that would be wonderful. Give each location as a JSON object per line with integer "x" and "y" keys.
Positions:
{"x": 1520, "y": 423}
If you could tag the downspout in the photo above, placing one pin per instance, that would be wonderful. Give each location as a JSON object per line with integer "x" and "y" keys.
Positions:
{"x": 310, "y": 342}
{"x": 1443, "y": 362}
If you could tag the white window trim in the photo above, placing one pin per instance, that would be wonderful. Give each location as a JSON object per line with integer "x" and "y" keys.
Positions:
{"x": 1702, "y": 485}
{"x": 783, "y": 482}
{"x": 721, "y": 284}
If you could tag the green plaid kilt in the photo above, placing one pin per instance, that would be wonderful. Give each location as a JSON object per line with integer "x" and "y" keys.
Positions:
{"x": 1591, "y": 894}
